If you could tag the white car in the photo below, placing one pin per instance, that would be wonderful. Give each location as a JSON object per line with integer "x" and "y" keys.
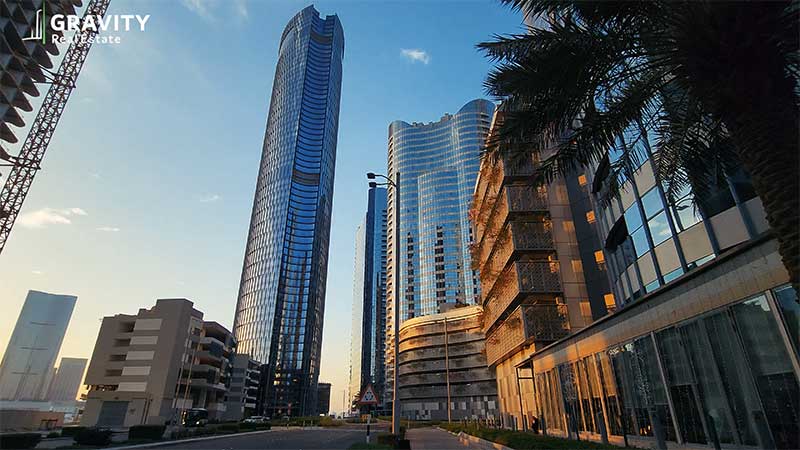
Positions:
{"x": 255, "y": 419}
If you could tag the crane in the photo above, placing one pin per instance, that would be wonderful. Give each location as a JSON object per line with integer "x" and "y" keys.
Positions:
{"x": 29, "y": 160}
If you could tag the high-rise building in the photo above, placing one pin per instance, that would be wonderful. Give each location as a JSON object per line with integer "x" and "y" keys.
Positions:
{"x": 369, "y": 298}
{"x": 281, "y": 298}
{"x": 67, "y": 380}
{"x": 150, "y": 367}
{"x": 438, "y": 165}
{"x": 702, "y": 349}
{"x": 27, "y": 366}
{"x": 324, "y": 398}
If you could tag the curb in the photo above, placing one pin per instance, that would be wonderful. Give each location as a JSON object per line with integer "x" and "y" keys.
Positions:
{"x": 181, "y": 441}
{"x": 465, "y": 439}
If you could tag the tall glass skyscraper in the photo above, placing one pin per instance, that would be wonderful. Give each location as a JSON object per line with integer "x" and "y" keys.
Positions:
{"x": 438, "y": 164}
{"x": 27, "y": 366}
{"x": 281, "y": 298}
{"x": 369, "y": 297}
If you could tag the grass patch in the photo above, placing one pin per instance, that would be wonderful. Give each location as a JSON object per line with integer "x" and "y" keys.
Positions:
{"x": 370, "y": 446}
{"x": 519, "y": 440}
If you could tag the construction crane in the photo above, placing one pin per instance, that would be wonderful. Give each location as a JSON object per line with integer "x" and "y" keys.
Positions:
{"x": 29, "y": 160}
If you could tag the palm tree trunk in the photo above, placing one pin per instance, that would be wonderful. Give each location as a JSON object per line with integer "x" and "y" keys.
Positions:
{"x": 762, "y": 118}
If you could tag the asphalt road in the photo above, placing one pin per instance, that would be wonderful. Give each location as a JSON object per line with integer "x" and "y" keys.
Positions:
{"x": 282, "y": 439}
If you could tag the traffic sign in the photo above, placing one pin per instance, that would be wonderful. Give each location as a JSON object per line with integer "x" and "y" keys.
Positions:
{"x": 368, "y": 396}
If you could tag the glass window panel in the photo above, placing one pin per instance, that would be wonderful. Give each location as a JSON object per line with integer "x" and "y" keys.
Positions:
{"x": 686, "y": 213}
{"x": 673, "y": 275}
{"x": 659, "y": 228}
{"x": 633, "y": 219}
{"x": 790, "y": 309}
{"x": 651, "y": 202}
{"x": 769, "y": 361}
{"x": 613, "y": 400}
{"x": 680, "y": 380}
{"x": 640, "y": 242}
{"x": 709, "y": 385}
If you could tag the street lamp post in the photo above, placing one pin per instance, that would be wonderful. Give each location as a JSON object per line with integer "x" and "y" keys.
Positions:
{"x": 396, "y": 338}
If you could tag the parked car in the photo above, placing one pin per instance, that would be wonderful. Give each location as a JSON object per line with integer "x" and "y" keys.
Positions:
{"x": 195, "y": 417}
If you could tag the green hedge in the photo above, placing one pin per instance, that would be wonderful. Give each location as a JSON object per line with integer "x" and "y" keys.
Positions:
{"x": 20, "y": 440}
{"x": 520, "y": 440}
{"x": 71, "y": 431}
{"x": 93, "y": 436}
{"x": 154, "y": 432}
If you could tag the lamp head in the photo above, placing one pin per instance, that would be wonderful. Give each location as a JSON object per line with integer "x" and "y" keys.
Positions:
{"x": 373, "y": 184}
{"x": 370, "y": 176}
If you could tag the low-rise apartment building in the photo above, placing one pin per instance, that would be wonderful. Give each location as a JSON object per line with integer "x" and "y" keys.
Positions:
{"x": 442, "y": 369}
{"x": 150, "y": 367}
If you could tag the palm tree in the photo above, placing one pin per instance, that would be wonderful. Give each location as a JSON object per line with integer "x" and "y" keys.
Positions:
{"x": 713, "y": 84}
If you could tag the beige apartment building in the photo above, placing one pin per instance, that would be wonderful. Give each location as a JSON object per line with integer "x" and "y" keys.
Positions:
{"x": 531, "y": 270}
{"x": 442, "y": 367}
{"x": 150, "y": 367}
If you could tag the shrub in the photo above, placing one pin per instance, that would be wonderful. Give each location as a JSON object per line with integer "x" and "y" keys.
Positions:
{"x": 71, "y": 431}
{"x": 386, "y": 439}
{"x": 53, "y": 434}
{"x": 93, "y": 436}
{"x": 328, "y": 421}
{"x": 20, "y": 440}
{"x": 228, "y": 428}
{"x": 154, "y": 432}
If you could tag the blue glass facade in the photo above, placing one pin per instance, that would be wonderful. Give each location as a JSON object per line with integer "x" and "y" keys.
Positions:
{"x": 438, "y": 164}
{"x": 369, "y": 297}
{"x": 281, "y": 298}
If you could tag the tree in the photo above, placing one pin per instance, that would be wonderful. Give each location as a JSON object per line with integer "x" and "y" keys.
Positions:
{"x": 713, "y": 84}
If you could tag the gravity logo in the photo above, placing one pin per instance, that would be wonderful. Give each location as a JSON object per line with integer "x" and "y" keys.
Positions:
{"x": 96, "y": 23}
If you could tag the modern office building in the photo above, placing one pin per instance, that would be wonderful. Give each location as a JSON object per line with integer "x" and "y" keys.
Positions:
{"x": 150, "y": 367}
{"x": 245, "y": 381}
{"x": 281, "y": 298}
{"x": 25, "y": 61}
{"x": 369, "y": 298}
{"x": 324, "y": 398}
{"x": 27, "y": 367}
{"x": 67, "y": 380}
{"x": 702, "y": 351}
{"x": 438, "y": 164}
{"x": 442, "y": 367}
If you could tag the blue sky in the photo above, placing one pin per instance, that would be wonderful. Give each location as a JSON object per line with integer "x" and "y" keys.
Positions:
{"x": 147, "y": 186}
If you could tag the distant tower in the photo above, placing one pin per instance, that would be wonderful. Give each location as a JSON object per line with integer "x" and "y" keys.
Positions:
{"x": 369, "y": 298}
{"x": 67, "y": 380}
{"x": 27, "y": 365}
{"x": 281, "y": 299}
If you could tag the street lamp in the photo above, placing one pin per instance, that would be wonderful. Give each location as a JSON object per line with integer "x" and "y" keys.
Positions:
{"x": 396, "y": 339}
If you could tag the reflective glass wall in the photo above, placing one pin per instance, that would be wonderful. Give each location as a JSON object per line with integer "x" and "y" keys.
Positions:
{"x": 725, "y": 377}
{"x": 282, "y": 290}
{"x": 438, "y": 164}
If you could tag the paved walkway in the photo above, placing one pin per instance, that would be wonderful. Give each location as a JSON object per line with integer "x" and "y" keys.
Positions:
{"x": 434, "y": 439}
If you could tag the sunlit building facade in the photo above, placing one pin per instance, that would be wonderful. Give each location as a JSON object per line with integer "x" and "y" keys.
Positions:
{"x": 281, "y": 297}
{"x": 369, "y": 298}
{"x": 702, "y": 350}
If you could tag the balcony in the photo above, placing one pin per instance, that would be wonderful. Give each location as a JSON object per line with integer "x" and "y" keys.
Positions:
{"x": 537, "y": 323}
{"x": 519, "y": 280}
{"x": 517, "y": 237}
{"x": 526, "y": 199}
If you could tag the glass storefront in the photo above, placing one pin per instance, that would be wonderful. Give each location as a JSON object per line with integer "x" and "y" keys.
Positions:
{"x": 725, "y": 377}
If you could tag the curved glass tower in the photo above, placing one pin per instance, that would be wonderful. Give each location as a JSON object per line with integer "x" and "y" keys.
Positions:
{"x": 438, "y": 164}
{"x": 282, "y": 290}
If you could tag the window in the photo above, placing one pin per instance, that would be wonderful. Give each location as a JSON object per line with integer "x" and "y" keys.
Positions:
{"x": 590, "y": 217}
{"x": 582, "y": 179}
{"x": 609, "y": 301}
{"x": 659, "y": 228}
{"x": 599, "y": 257}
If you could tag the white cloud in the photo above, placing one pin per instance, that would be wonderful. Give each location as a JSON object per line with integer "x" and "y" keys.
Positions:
{"x": 37, "y": 272}
{"x": 94, "y": 175}
{"x": 240, "y": 6}
{"x": 199, "y": 7}
{"x": 49, "y": 216}
{"x": 416, "y": 55}
{"x": 108, "y": 229}
{"x": 209, "y": 198}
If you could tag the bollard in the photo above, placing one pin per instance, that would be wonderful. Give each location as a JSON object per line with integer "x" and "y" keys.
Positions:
{"x": 368, "y": 429}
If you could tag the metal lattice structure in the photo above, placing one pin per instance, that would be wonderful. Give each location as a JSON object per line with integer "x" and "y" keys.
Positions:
{"x": 29, "y": 160}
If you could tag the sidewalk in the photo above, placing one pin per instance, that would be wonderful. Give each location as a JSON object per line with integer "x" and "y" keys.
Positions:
{"x": 436, "y": 439}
